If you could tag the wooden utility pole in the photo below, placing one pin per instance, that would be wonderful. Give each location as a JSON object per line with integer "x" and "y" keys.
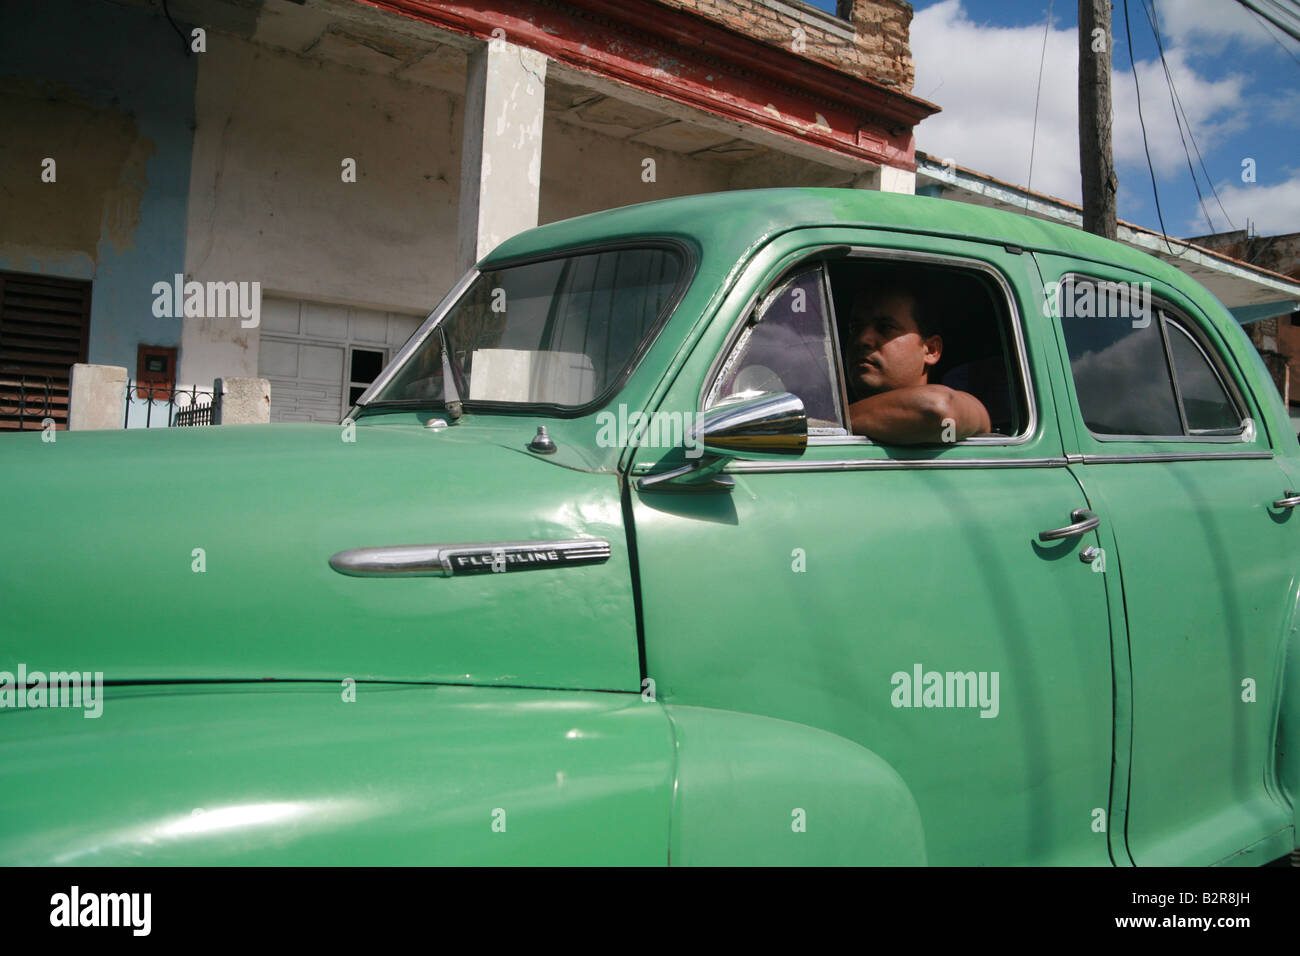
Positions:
{"x": 1096, "y": 160}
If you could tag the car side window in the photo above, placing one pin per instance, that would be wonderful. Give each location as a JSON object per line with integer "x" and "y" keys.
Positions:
{"x": 907, "y": 321}
{"x": 1206, "y": 403}
{"x": 864, "y": 323}
{"x": 1121, "y": 376}
{"x": 1139, "y": 372}
{"x": 786, "y": 346}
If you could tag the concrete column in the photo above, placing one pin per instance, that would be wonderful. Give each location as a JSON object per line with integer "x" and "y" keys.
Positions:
{"x": 893, "y": 180}
{"x": 244, "y": 401}
{"x": 886, "y": 179}
{"x": 97, "y": 400}
{"x": 501, "y": 154}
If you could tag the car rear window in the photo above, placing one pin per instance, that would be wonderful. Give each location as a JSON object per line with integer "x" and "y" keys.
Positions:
{"x": 1120, "y": 359}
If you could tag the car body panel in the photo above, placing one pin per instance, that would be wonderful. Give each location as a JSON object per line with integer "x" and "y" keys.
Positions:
{"x": 771, "y": 689}
{"x": 268, "y": 506}
{"x": 805, "y": 647}
{"x": 276, "y": 774}
{"x": 1286, "y": 782}
{"x": 1202, "y": 716}
{"x": 753, "y": 791}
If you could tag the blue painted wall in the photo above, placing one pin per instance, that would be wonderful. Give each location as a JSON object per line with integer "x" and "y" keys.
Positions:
{"x": 132, "y": 61}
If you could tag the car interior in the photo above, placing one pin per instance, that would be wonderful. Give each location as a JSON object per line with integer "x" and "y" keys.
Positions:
{"x": 978, "y": 348}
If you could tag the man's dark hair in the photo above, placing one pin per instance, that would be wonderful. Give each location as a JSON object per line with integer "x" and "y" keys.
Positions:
{"x": 921, "y": 284}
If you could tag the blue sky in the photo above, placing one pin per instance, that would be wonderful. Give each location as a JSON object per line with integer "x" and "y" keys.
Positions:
{"x": 1237, "y": 80}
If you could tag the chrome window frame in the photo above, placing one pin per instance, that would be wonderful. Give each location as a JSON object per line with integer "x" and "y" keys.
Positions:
{"x": 1248, "y": 433}
{"x": 416, "y": 340}
{"x": 1228, "y": 389}
{"x": 788, "y": 262}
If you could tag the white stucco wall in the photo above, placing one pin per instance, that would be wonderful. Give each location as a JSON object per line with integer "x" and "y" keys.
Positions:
{"x": 267, "y": 202}
{"x": 584, "y": 171}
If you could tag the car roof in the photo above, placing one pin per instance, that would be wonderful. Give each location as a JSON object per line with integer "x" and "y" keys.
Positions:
{"x": 725, "y": 225}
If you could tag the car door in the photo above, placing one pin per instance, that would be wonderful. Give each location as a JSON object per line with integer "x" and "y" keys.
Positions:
{"x": 831, "y": 589}
{"x": 1167, "y": 439}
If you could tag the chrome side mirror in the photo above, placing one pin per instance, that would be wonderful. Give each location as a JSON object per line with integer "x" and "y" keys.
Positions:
{"x": 767, "y": 422}
{"x": 772, "y": 422}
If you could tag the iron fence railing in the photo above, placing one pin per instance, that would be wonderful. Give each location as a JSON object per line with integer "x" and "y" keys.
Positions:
{"x": 28, "y": 401}
{"x": 171, "y": 405}
{"x": 194, "y": 415}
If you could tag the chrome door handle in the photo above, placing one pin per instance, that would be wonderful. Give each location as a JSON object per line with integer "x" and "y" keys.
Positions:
{"x": 1084, "y": 520}
{"x": 1290, "y": 501}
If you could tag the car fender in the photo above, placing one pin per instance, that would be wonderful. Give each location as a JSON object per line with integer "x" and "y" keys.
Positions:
{"x": 351, "y": 773}
{"x": 751, "y": 790}
{"x": 1288, "y": 718}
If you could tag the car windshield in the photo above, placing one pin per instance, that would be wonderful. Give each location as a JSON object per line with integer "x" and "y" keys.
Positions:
{"x": 557, "y": 332}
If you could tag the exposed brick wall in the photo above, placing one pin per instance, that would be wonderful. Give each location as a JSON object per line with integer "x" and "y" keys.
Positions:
{"x": 1271, "y": 346}
{"x": 1276, "y": 340}
{"x": 878, "y": 49}
{"x": 1276, "y": 253}
{"x": 1288, "y": 344}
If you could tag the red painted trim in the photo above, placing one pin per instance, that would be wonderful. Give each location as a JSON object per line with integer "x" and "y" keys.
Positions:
{"x": 697, "y": 62}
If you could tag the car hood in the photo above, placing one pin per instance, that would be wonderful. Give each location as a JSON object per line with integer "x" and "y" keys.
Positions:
{"x": 203, "y": 553}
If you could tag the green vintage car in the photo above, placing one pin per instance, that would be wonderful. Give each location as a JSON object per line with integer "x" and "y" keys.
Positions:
{"x": 602, "y": 569}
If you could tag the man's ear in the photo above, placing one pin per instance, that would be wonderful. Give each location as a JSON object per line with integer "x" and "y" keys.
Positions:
{"x": 933, "y": 348}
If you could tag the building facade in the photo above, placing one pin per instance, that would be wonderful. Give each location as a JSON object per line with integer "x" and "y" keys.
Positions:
{"x": 1274, "y": 329}
{"x": 283, "y": 189}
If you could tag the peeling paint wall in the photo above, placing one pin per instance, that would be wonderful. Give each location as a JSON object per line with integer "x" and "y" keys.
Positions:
{"x": 268, "y": 202}
{"x": 227, "y": 165}
{"x": 106, "y": 92}
{"x": 98, "y": 189}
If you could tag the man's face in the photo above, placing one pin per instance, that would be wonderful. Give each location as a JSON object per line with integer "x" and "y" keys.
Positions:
{"x": 887, "y": 350}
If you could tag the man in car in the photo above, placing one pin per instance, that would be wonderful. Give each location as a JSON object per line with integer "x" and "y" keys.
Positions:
{"x": 894, "y": 342}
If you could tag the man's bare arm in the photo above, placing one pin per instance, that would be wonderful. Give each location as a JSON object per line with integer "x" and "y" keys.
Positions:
{"x": 919, "y": 415}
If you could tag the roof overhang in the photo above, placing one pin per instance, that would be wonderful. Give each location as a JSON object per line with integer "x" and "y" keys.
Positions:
{"x": 1245, "y": 289}
{"x": 697, "y": 62}
{"x": 1245, "y": 314}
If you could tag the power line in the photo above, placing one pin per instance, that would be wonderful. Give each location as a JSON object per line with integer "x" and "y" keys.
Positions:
{"x": 1033, "y": 138}
{"x": 1177, "y": 119}
{"x": 1128, "y": 34}
{"x": 1278, "y": 17}
{"x": 1273, "y": 36}
{"x": 1176, "y": 103}
{"x": 185, "y": 43}
{"x": 1201, "y": 159}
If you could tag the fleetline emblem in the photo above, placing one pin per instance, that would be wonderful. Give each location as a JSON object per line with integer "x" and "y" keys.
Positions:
{"x": 447, "y": 560}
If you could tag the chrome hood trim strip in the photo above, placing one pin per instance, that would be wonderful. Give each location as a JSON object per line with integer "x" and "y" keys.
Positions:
{"x": 446, "y": 560}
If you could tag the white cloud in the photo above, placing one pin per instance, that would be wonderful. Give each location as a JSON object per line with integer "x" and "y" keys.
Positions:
{"x": 1272, "y": 209}
{"x": 1212, "y": 108}
{"x": 1284, "y": 106}
{"x": 985, "y": 78}
{"x": 1206, "y": 24}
